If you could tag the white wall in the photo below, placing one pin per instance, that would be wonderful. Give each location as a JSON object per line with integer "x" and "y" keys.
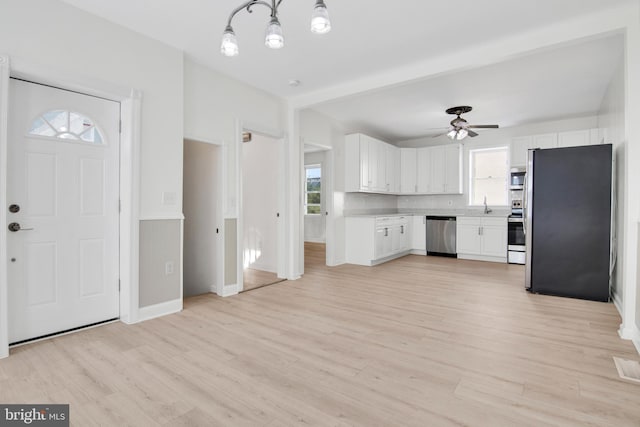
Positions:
{"x": 611, "y": 119}
{"x": 260, "y": 166}
{"x": 50, "y": 41}
{"x": 315, "y": 225}
{"x": 216, "y": 107}
{"x": 201, "y": 204}
{"x": 488, "y": 138}
{"x": 319, "y": 129}
{"x": 82, "y": 48}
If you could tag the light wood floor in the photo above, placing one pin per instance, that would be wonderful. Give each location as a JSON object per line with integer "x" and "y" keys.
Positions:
{"x": 420, "y": 341}
{"x": 253, "y": 279}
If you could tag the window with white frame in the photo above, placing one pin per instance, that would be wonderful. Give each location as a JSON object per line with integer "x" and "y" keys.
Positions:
{"x": 488, "y": 176}
{"x": 313, "y": 190}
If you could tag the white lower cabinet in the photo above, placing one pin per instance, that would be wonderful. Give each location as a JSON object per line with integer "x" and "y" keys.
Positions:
{"x": 373, "y": 240}
{"x": 419, "y": 235}
{"x": 482, "y": 238}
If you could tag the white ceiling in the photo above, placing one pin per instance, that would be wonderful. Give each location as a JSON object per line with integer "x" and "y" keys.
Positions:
{"x": 368, "y": 37}
{"x": 564, "y": 82}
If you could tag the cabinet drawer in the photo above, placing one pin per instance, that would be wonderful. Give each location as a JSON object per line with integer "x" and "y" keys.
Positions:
{"x": 498, "y": 222}
{"x": 465, "y": 220}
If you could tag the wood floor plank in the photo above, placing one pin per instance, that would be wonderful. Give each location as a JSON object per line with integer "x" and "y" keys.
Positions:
{"x": 419, "y": 341}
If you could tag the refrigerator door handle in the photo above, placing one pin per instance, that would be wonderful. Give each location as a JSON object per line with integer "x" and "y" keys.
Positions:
{"x": 528, "y": 214}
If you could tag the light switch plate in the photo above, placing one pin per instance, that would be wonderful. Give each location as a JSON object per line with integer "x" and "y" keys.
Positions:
{"x": 169, "y": 198}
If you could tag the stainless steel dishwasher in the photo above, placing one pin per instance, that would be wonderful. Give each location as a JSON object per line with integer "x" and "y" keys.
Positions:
{"x": 441, "y": 236}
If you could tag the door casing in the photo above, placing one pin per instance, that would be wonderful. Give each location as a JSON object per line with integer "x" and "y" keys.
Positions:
{"x": 130, "y": 116}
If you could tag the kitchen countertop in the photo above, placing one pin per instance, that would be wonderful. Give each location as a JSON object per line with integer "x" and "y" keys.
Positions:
{"x": 497, "y": 213}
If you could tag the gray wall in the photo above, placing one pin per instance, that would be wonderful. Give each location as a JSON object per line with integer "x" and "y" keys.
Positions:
{"x": 159, "y": 245}
{"x": 201, "y": 201}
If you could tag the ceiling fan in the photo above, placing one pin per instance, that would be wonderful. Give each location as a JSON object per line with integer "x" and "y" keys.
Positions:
{"x": 460, "y": 128}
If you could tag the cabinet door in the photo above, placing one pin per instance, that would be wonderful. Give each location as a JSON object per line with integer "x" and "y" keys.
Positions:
{"x": 419, "y": 233}
{"x": 453, "y": 169}
{"x": 437, "y": 170}
{"x": 380, "y": 241}
{"x": 392, "y": 155}
{"x": 423, "y": 173}
{"x": 408, "y": 162}
{"x": 468, "y": 239}
{"x": 397, "y": 166}
{"x": 549, "y": 140}
{"x": 405, "y": 237}
{"x": 365, "y": 172}
{"x": 396, "y": 238}
{"x": 574, "y": 139}
{"x": 381, "y": 157}
{"x": 494, "y": 241}
{"x": 519, "y": 147}
{"x": 374, "y": 161}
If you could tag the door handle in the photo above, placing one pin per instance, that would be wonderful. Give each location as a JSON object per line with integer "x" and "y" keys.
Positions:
{"x": 15, "y": 227}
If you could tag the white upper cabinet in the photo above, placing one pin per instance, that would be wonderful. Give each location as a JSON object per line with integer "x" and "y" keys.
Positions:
{"x": 408, "y": 162}
{"x": 453, "y": 169}
{"x": 549, "y": 140}
{"x": 438, "y": 170}
{"x": 373, "y": 166}
{"x": 520, "y": 145}
{"x": 423, "y": 170}
{"x": 579, "y": 137}
{"x": 392, "y": 169}
{"x": 365, "y": 164}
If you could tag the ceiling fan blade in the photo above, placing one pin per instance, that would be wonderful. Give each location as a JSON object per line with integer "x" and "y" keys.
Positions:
{"x": 439, "y": 135}
{"x": 484, "y": 126}
{"x": 472, "y": 134}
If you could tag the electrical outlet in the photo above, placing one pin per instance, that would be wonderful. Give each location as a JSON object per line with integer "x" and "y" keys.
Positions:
{"x": 168, "y": 268}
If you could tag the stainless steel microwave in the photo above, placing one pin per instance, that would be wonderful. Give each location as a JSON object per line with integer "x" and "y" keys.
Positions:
{"x": 517, "y": 178}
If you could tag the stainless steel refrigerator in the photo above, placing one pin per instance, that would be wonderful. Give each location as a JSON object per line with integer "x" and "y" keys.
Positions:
{"x": 568, "y": 221}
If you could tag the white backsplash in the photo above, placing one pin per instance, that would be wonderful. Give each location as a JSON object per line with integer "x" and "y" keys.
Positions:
{"x": 432, "y": 202}
{"x": 364, "y": 203}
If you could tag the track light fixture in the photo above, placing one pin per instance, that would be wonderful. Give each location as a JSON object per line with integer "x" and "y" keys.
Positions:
{"x": 274, "y": 39}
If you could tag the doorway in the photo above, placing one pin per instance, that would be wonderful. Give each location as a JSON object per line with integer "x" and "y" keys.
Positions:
{"x": 202, "y": 207}
{"x": 315, "y": 204}
{"x": 63, "y": 204}
{"x": 261, "y": 179}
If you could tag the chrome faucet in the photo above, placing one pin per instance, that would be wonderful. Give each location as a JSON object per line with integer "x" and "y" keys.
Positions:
{"x": 486, "y": 208}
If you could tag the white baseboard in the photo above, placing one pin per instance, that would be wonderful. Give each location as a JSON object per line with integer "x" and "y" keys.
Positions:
{"x": 616, "y": 302}
{"x": 418, "y": 252}
{"x": 229, "y": 290}
{"x": 482, "y": 258}
{"x": 269, "y": 268}
{"x": 159, "y": 310}
{"x": 637, "y": 344}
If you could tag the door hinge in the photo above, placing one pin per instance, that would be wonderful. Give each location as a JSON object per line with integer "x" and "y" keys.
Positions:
{"x": 119, "y": 284}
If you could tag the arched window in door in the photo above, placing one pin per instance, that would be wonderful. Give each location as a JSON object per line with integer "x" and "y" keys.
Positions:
{"x": 66, "y": 125}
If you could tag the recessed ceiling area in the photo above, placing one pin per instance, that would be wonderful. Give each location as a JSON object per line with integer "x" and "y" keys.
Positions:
{"x": 564, "y": 82}
{"x": 367, "y": 37}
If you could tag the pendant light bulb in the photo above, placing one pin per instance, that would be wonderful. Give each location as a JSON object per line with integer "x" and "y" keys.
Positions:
{"x": 320, "y": 23}
{"x": 274, "y": 38}
{"x": 462, "y": 134}
{"x": 229, "y": 46}
{"x": 452, "y": 134}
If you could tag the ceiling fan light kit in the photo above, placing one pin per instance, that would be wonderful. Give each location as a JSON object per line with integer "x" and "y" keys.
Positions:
{"x": 460, "y": 128}
{"x": 274, "y": 38}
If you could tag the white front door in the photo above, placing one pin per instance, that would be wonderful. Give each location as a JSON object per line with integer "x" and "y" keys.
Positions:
{"x": 63, "y": 213}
